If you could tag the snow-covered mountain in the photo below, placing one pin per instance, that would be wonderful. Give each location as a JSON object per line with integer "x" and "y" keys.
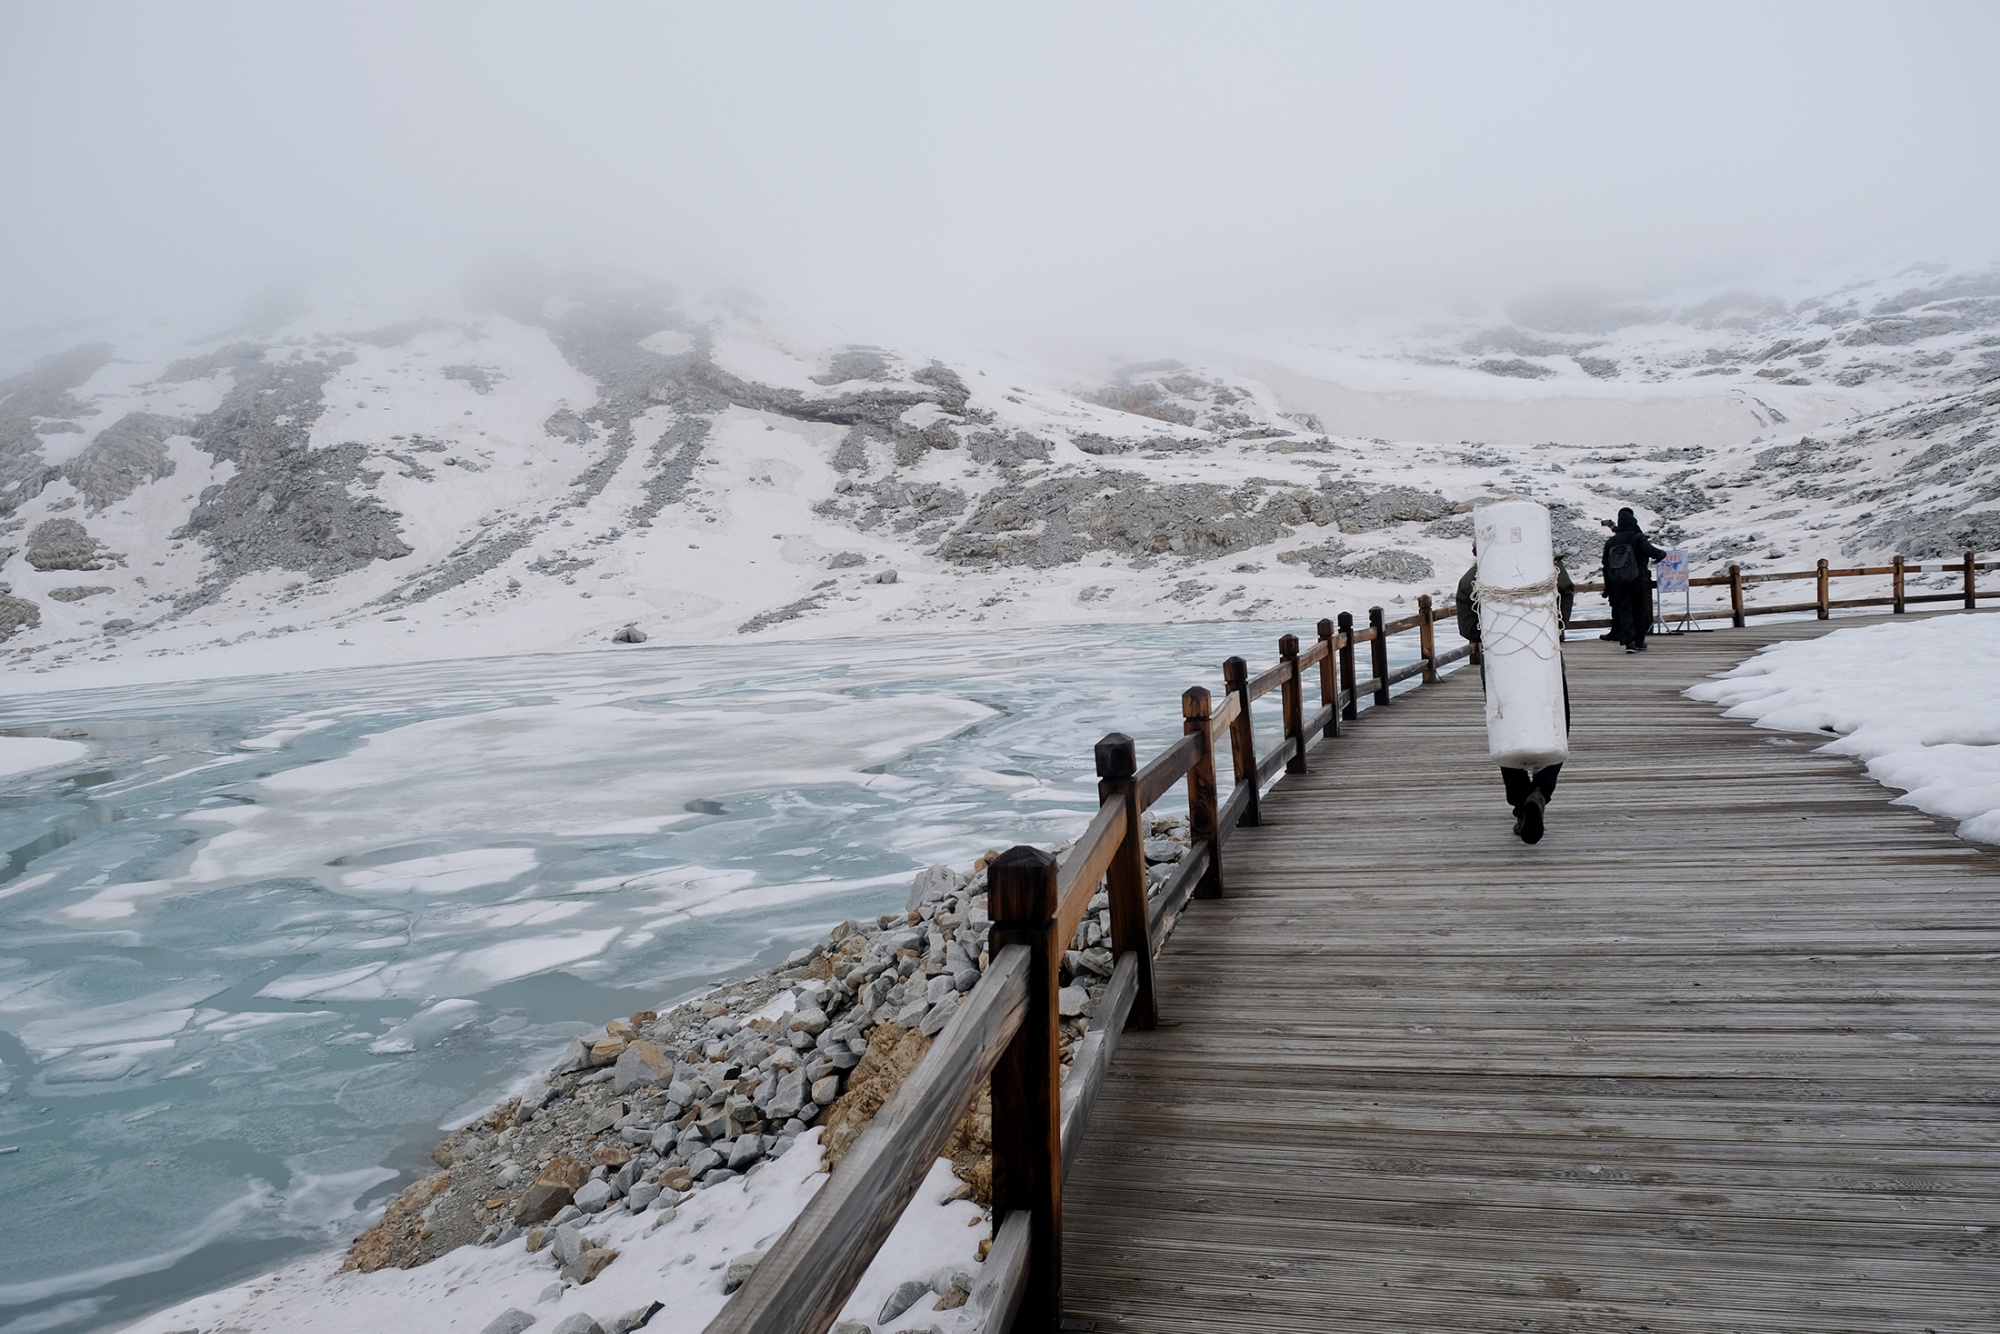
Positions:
{"x": 543, "y": 470}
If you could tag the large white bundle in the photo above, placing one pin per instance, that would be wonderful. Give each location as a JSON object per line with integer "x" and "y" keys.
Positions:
{"x": 1521, "y": 636}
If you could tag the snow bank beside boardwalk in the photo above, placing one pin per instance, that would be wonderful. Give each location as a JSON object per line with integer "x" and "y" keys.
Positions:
{"x": 680, "y": 1263}
{"x": 1917, "y": 701}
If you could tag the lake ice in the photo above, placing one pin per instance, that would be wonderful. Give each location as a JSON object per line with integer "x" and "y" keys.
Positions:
{"x": 264, "y": 937}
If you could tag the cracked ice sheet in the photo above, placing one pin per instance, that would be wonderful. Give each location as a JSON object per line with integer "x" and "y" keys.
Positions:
{"x": 538, "y": 770}
{"x": 679, "y": 1264}
{"x": 1936, "y": 734}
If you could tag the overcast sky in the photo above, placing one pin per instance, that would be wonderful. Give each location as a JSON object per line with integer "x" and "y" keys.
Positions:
{"x": 1094, "y": 164}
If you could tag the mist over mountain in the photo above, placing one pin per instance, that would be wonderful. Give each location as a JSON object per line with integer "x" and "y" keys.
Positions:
{"x": 587, "y": 459}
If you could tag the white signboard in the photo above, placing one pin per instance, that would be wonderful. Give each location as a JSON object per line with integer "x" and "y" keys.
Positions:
{"x": 1674, "y": 572}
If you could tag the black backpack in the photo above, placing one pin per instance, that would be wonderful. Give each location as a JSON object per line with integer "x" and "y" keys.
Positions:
{"x": 1621, "y": 563}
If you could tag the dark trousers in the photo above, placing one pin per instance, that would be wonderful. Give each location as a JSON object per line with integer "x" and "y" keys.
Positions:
{"x": 1520, "y": 784}
{"x": 1631, "y": 612}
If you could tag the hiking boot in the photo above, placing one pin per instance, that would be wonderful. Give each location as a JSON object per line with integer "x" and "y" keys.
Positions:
{"x": 1630, "y": 649}
{"x": 1529, "y": 826}
{"x": 1609, "y": 634}
{"x": 1639, "y": 647}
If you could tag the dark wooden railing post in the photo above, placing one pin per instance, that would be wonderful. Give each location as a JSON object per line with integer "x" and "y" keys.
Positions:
{"x": 1329, "y": 679}
{"x": 1822, "y": 611}
{"x": 1736, "y": 596}
{"x": 1378, "y": 654}
{"x": 1204, "y": 818}
{"x": 1348, "y": 682}
{"x": 1971, "y": 592}
{"x": 1427, "y": 639}
{"x": 1294, "y": 688}
{"x": 1896, "y": 586}
{"x": 1027, "y": 1108}
{"x": 1243, "y": 738}
{"x": 1117, "y": 762}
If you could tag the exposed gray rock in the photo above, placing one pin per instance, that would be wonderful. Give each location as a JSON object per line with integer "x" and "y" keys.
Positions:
{"x": 1010, "y": 448}
{"x": 1322, "y": 560}
{"x": 77, "y": 592}
{"x": 288, "y": 505}
{"x": 40, "y": 392}
{"x": 1602, "y": 368}
{"x": 125, "y": 454}
{"x": 740, "y": 1269}
{"x": 854, "y": 363}
{"x": 580, "y": 1323}
{"x": 1393, "y": 565}
{"x": 636, "y": 1318}
{"x": 845, "y": 560}
{"x": 481, "y": 378}
{"x": 17, "y": 614}
{"x": 564, "y": 424}
{"x": 902, "y": 1299}
{"x": 791, "y": 611}
{"x": 1516, "y": 368}
{"x": 631, "y": 634}
{"x": 593, "y": 1196}
{"x": 1066, "y": 517}
{"x": 64, "y": 544}
{"x": 510, "y": 1321}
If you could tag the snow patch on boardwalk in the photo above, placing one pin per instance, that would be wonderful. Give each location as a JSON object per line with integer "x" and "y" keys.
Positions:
{"x": 1917, "y": 701}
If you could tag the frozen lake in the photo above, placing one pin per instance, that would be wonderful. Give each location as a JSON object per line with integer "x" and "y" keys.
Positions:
{"x": 260, "y": 939}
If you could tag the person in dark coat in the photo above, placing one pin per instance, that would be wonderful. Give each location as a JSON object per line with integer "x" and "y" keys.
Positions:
{"x": 1628, "y": 585}
{"x": 1528, "y": 793}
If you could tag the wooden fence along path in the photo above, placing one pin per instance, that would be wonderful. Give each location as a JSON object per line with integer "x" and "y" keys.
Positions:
{"x": 1719, "y": 1054}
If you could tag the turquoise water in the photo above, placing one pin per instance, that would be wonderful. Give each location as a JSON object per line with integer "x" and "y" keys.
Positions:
{"x": 273, "y": 933}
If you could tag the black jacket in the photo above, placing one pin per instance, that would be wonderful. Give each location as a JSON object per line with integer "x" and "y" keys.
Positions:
{"x": 1468, "y": 600}
{"x": 1642, "y": 551}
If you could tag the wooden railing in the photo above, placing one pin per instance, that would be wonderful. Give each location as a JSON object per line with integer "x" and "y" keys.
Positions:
{"x": 1897, "y": 599}
{"x": 1005, "y": 1035}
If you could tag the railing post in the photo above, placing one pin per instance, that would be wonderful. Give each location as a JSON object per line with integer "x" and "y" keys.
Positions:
{"x": 1329, "y": 679}
{"x": 1243, "y": 738}
{"x": 1117, "y": 762}
{"x": 1204, "y": 818}
{"x": 1348, "y": 682}
{"x": 1896, "y": 588}
{"x": 1822, "y": 611}
{"x": 1736, "y": 596}
{"x": 1427, "y": 640}
{"x": 1971, "y": 592}
{"x": 1295, "y": 704}
{"x": 1378, "y": 654}
{"x": 1027, "y": 1109}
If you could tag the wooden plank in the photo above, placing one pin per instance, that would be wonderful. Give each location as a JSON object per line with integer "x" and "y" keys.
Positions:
{"x": 1718, "y": 1054}
{"x": 1164, "y": 770}
{"x": 805, "y": 1278}
{"x": 1173, "y": 896}
{"x": 1084, "y": 865}
{"x": 996, "y": 1298}
{"x": 1092, "y": 1062}
{"x": 1264, "y": 682}
{"x": 1275, "y": 761}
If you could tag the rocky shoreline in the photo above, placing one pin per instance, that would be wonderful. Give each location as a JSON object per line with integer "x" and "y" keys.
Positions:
{"x": 641, "y": 1114}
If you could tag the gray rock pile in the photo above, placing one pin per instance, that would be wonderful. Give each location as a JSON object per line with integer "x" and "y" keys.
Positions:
{"x": 637, "y": 1115}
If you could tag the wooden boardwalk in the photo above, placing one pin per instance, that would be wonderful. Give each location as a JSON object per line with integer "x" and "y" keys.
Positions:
{"x": 1721, "y": 1054}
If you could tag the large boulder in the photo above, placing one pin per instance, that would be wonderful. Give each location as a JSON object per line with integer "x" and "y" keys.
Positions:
{"x": 64, "y": 544}
{"x": 552, "y": 1190}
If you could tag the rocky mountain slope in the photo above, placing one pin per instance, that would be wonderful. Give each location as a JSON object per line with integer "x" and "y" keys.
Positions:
{"x": 551, "y": 466}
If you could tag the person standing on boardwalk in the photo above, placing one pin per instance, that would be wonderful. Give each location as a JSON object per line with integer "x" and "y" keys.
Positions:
{"x": 1528, "y": 790}
{"x": 1627, "y": 585}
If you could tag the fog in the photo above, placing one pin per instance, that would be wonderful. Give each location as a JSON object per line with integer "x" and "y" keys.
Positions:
{"x": 1100, "y": 168}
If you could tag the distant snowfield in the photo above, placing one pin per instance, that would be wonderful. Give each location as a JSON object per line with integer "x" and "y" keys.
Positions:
{"x": 1399, "y": 401}
{"x": 1918, "y": 702}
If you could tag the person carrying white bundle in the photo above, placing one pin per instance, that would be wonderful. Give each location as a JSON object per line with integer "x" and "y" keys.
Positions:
{"x": 1514, "y": 604}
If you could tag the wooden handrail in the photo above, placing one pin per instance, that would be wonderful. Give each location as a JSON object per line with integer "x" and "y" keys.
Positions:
{"x": 1005, "y": 1030}
{"x": 807, "y": 1275}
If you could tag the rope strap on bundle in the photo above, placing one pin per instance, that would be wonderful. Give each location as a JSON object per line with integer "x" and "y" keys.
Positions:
{"x": 1514, "y": 623}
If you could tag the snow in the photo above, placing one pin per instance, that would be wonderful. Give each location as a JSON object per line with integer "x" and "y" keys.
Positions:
{"x": 1917, "y": 701}
{"x": 679, "y": 1263}
{"x": 25, "y": 754}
